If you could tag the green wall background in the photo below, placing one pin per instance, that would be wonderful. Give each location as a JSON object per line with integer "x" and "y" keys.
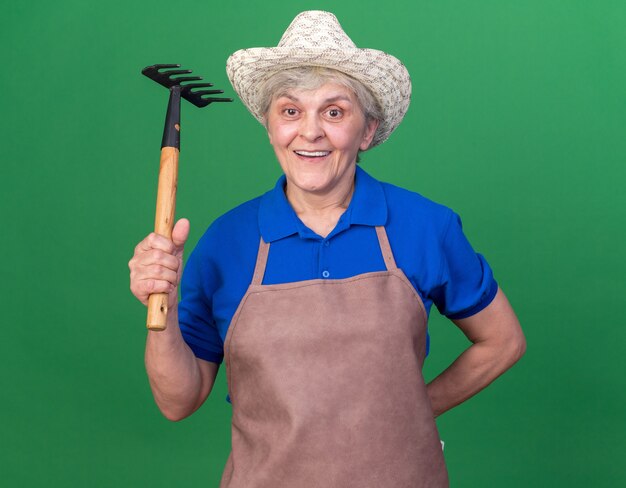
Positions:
{"x": 517, "y": 122}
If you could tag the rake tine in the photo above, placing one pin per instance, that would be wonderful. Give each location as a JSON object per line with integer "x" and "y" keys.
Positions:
{"x": 180, "y": 79}
{"x": 207, "y": 92}
{"x": 175, "y": 72}
{"x": 197, "y": 85}
{"x": 162, "y": 66}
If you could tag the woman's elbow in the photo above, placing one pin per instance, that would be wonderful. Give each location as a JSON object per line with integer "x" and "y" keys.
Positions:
{"x": 174, "y": 418}
{"x": 515, "y": 347}
{"x": 175, "y": 414}
{"x": 177, "y": 409}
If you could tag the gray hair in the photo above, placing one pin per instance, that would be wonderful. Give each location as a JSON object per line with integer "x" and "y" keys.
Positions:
{"x": 311, "y": 78}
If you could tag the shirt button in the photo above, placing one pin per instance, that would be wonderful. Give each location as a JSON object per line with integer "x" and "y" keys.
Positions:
{"x": 327, "y": 243}
{"x": 325, "y": 273}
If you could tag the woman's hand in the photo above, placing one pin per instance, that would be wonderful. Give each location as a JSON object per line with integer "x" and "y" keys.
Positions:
{"x": 156, "y": 266}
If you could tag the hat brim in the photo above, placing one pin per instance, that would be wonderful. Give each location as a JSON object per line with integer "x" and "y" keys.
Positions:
{"x": 383, "y": 74}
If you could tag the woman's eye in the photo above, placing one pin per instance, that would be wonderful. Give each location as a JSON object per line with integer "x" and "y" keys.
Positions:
{"x": 334, "y": 113}
{"x": 291, "y": 112}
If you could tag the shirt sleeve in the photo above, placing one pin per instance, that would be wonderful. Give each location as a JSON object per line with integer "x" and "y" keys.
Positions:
{"x": 466, "y": 284}
{"x": 195, "y": 316}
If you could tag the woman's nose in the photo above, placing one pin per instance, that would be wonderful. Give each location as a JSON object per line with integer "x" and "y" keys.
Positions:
{"x": 310, "y": 127}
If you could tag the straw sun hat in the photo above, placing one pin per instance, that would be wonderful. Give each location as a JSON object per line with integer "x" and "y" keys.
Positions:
{"x": 315, "y": 38}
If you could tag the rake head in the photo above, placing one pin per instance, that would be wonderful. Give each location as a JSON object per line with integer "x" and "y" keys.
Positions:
{"x": 168, "y": 76}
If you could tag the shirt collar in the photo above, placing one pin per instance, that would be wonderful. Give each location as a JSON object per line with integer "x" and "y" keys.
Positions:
{"x": 277, "y": 218}
{"x": 368, "y": 205}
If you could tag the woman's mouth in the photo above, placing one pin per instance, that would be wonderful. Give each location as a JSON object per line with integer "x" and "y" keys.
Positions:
{"x": 312, "y": 154}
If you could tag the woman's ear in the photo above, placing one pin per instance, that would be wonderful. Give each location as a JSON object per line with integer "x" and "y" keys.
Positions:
{"x": 370, "y": 129}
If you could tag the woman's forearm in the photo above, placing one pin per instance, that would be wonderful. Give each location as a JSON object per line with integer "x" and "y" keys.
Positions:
{"x": 179, "y": 381}
{"x": 475, "y": 369}
{"x": 497, "y": 343}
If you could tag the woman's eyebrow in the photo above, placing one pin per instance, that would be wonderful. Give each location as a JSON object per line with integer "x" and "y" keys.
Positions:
{"x": 328, "y": 100}
{"x": 287, "y": 95}
{"x": 337, "y": 98}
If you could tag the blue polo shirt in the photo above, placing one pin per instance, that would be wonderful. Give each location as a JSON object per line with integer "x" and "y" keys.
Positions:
{"x": 426, "y": 239}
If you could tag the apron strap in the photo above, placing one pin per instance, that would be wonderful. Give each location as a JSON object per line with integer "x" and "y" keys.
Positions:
{"x": 385, "y": 248}
{"x": 261, "y": 261}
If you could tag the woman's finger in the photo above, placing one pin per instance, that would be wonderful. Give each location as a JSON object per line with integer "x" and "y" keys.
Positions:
{"x": 155, "y": 241}
{"x": 158, "y": 257}
{"x": 180, "y": 233}
{"x": 142, "y": 289}
{"x": 155, "y": 272}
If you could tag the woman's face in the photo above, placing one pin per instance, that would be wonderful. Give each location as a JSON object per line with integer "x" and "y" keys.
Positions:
{"x": 316, "y": 135}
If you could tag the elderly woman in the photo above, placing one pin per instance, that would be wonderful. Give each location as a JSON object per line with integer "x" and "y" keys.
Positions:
{"x": 317, "y": 293}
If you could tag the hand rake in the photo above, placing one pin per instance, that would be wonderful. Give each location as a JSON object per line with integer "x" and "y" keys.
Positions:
{"x": 168, "y": 76}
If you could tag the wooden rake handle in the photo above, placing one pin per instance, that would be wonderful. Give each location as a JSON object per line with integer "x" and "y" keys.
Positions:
{"x": 163, "y": 224}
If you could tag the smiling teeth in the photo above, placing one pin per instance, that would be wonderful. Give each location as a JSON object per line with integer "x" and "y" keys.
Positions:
{"x": 313, "y": 154}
